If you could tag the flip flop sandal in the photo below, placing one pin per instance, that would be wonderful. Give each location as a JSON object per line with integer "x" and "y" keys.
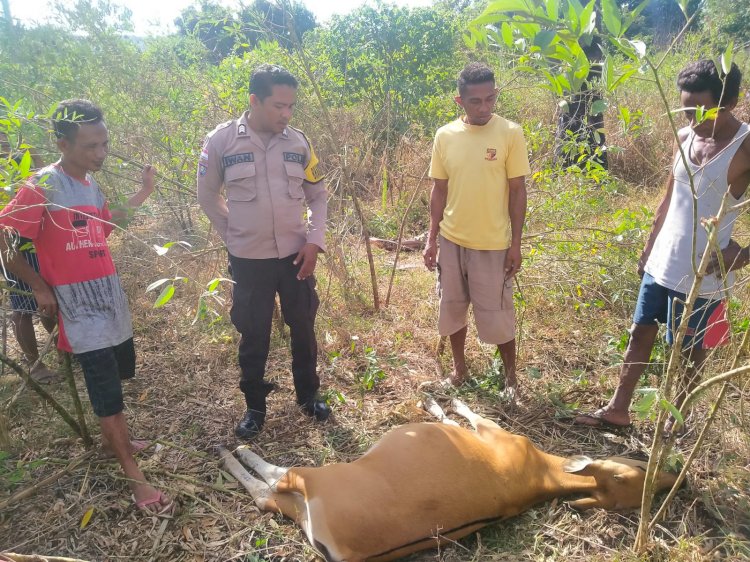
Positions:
{"x": 166, "y": 511}
{"x": 598, "y": 422}
{"x": 42, "y": 374}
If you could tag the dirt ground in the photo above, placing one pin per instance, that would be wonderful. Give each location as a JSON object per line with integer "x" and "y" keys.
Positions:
{"x": 185, "y": 402}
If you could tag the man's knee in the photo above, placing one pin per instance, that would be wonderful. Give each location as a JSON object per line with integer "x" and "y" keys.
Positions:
{"x": 643, "y": 332}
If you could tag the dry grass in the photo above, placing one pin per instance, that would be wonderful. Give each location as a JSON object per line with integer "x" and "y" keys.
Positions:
{"x": 185, "y": 396}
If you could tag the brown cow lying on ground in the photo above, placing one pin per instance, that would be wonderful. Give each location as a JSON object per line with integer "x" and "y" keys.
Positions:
{"x": 425, "y": 484}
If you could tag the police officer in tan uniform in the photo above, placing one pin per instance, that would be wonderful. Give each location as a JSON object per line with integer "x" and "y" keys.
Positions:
{"x": 271, "y": 183}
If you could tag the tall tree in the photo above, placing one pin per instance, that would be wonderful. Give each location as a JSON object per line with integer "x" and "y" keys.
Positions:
{"x": 731, "y": 18}
{"x": 225, "y": 32}
{"x": 264, "y": 19}
{"x": 394, "y": 59}
{"x": 213, "y": 25}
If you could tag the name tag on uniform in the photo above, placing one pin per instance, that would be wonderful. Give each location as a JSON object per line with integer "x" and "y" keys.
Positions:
{"x": 233, "y": 159}
{"x": 294, "y": 157}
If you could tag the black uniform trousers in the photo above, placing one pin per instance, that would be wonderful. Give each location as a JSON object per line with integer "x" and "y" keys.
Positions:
{"x": 256, "y": 283}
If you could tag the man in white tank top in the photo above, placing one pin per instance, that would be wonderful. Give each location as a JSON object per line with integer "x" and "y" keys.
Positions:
{"x": 717, "y": 155}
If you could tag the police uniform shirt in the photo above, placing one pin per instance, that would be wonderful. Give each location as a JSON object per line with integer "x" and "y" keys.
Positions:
{"x": 267, "y": 191}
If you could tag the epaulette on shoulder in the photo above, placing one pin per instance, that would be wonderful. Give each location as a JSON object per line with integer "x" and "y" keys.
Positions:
{"x": 220, "y": 127}
{"x": 304, "y": 136}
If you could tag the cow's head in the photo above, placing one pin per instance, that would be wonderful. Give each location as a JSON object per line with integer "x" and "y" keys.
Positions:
{"x": 619, "y": 481}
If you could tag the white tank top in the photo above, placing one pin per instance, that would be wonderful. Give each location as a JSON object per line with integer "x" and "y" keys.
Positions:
{"x": 671, "y": 263}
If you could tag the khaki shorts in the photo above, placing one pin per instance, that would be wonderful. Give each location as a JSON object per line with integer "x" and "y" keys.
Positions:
{"x": 478, "y": 277}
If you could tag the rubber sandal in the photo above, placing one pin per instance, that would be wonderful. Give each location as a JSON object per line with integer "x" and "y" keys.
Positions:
{"x": 596, "y": 420}
{"x": 165, "y": 511}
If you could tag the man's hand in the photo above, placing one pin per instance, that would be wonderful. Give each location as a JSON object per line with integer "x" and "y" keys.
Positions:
{"x": 121, "y": 215}
{"x": 430, "y": 254}
{"x": 734, "y": 257}
{"x": 46, "y": 302}
{"x": 148, "y": 177}
{"x": 642, "y": 263}
{"x": 306, "y": 259}
{"x": 512, "y": 261}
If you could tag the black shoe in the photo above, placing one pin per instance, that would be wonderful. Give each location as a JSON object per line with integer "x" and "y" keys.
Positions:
{"x": 250, "y": 425}
{"x": 317, "y": 409}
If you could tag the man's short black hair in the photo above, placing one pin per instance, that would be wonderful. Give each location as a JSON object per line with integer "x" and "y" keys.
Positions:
{"x": 266, "y": 76}
{"x": 71, "y": 114}
{"x": 703, "y": 76}
{"x": 474, "y": 73}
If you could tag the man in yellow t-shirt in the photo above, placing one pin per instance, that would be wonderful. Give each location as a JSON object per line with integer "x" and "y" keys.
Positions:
{"x": 478, "y": 206}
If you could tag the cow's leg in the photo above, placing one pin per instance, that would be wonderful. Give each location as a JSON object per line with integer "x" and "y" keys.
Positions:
{"x": 269, "y": 472}
{"x": 478, "y": 422}
{"x": 260, "y": 491}
{"x": 434, "y": 408}
{"x": 465, "y": 412}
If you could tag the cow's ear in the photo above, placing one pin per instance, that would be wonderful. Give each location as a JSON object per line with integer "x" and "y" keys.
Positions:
{"x": 576, "y": 463}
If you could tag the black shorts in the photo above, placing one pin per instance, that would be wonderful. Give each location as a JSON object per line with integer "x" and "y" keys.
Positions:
{"x": 20, "y": 302}
{"x": 104, "y": 369}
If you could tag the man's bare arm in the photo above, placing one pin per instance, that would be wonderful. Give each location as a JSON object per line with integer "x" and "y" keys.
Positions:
{"x": 438, "y": 201}
{"x": 517, "y": 210}
{"x": 121, "y": 215}
{"x": 16, "y": 264}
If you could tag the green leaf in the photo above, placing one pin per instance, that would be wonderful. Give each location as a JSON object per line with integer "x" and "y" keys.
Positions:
{"x": 711, "y": 114}
{"x": 623, "y": 77}
{"x": 587, "y": 18}
{"x": 573, "y": 21}
{"x": 161, "y": 250}
{"x": 563, "y": 82}
{"x": 507, "y": 6}
{"x": 684, "y": 7}
{"x": 624, "y": 46}
{"x": 544, "y": 38}
{"x": 554, "y": 86}
{"x": 165, "y": 296}
{"x": 214, "y": 283}
{"x": 553, "y": 8}
{"x": 633, "y": 15}
{"x": 625, "y": 115}
{"x": 576, "y": 6}
{"x": 156, "y": 284}
{"x": 506, "y": 31}
{"x": 643, "y": 406}
{"x": 672, "y": 409}
{"x": 611, "y": 17}
{"x": 726, "y": 58}
{"x": 599, "y": 106}
{"x": 534, "y": 372}
{"x": 582, "y": 66}
{"x": 24, "y": 166}
{"x": 608, "y": 73}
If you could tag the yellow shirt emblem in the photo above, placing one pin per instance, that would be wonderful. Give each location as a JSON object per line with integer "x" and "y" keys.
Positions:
{"x": 312, "y": 174}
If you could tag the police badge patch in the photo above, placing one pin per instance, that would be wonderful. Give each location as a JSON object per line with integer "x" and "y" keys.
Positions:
{"x": 294, "y": 157}
{"x": 233, "y": 159}
{"x": 202, "y": 169}
{"x": 312, "y": 174}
